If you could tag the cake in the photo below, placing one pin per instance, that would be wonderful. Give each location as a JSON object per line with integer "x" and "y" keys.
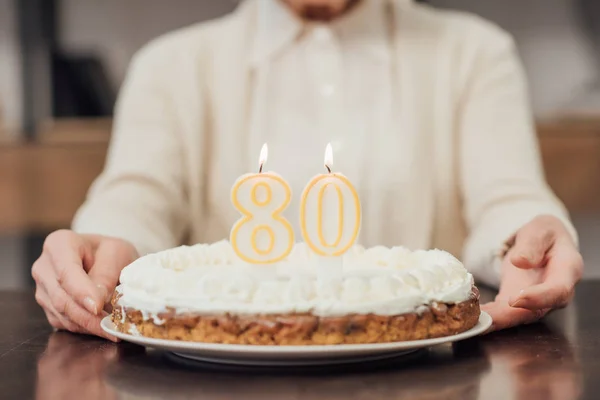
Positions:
{"x": 205, "y": 293}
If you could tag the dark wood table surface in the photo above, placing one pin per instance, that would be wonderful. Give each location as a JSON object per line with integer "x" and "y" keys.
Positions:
{"x": 557, "y": 359}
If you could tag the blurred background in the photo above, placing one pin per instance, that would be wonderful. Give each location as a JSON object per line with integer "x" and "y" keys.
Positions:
{"x": 62, "y": 62}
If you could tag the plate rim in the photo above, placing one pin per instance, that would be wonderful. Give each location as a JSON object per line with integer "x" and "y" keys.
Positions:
{"x": 483, "y": 324}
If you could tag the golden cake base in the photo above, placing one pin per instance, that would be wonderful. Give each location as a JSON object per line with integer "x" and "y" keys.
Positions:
{"x": 437, "y": 320}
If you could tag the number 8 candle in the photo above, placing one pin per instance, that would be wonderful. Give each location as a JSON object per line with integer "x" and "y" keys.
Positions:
{"x": 262, "y": 235}
{"x": 330, "y": 213}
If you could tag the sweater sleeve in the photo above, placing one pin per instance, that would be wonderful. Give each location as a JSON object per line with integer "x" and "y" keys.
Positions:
{"x": 140, "y": 195}
{"x": 502, "y": 178}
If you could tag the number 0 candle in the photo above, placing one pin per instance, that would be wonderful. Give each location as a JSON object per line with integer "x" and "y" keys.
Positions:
{"x": 262, "y": 235}
{"x": 330, "y": 213}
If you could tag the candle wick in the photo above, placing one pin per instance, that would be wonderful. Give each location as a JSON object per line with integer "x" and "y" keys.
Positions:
{"x": 328, "y": 169}
{"x": 260, "y": 168}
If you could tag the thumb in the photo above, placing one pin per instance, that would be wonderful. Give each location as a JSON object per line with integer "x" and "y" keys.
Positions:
{"x": 532, "y": 244}
{"x": 112, "y": 255}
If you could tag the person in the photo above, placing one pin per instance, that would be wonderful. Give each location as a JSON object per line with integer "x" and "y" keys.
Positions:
{"x": 427, "y": 113}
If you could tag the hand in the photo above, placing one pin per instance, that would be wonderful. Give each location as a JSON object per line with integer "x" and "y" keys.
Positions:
{"x": 75, "y": 277}
{"x": 538, "y": 274}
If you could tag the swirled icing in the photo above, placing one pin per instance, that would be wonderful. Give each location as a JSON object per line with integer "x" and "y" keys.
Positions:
{"x": 211, "y": 279}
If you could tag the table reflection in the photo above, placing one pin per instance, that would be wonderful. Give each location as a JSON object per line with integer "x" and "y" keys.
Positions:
{"x": 73, "y": 367}
{"x": 426, "y": 375}
{"x": 528, "y": 363}
{"x": 533, "y": 362}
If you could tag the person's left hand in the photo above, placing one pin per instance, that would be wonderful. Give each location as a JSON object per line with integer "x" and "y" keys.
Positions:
{"x": 538, "y": 274}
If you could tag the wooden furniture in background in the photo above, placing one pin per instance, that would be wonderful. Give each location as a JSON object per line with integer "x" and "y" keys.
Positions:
{"x": 571, "y": 155}
{"x": 42, "y": 184}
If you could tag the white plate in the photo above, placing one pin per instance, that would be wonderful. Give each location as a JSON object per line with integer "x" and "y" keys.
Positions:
{"x": 292, "y": 355}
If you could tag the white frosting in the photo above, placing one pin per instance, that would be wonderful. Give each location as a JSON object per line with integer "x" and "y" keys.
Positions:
{"x": 134, "y": 330}
{"x": 211, "y": 279}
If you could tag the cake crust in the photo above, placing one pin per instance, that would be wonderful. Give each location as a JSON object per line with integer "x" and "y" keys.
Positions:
{"x": 435, "y": 320}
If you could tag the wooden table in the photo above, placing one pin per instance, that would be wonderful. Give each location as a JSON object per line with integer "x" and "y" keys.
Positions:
{"x": 558, "y": 359}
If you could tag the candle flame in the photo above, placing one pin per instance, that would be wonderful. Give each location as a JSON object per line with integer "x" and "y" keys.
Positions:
{"x": 264, "y": 154}
{"x": 328, "y": 157}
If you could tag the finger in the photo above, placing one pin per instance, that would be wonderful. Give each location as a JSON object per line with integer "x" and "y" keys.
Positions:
{"x": 111, "y": 257}
{"x": 563, "y": 271}
{"x": 565, "y": 262}
{"x": 544, "y": 295}
{"x": 504, "y": 316}
{"x": 63, "y": 323}
{"x": 92, "y": 242}
{"x": 87, "y": 322}
{"x": 66, "y": 252}
{"x": 43, "y": 273}
{"x": 55, "y": 319}
{"x": 54, "y": 322}
{"x": 532, "y": 243}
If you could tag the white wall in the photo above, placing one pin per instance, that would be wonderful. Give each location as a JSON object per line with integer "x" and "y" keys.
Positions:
{"x": 10, "y": 75}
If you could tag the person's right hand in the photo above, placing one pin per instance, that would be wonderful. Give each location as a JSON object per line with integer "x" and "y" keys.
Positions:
{"x": 75, "y": 277}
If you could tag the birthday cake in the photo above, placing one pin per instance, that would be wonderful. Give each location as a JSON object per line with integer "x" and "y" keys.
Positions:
{"x": 206, "y": 293}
